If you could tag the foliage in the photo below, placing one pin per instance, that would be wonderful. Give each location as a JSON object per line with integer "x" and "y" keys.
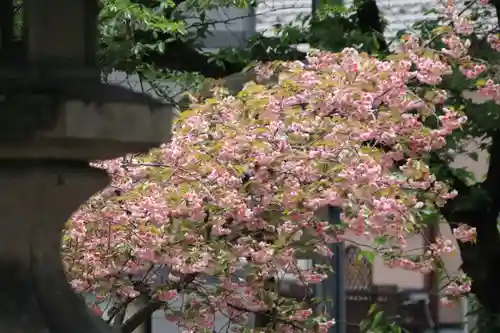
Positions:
{"x": 479, "y": 199}
{"x": 480, "y": 320}
{"x": 235, "y": 194}
{"x": 345, "y": 22}
{"x": 378, "y": 322}
{"x": 161, "y": 40}
{"x": 477, "y": 203}
{"x": 165, "y": 39}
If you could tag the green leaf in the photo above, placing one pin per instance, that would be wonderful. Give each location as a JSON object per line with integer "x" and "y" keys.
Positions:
{"x": 377, "y": 319}
{"x": 381, "y": 240}
{"x": 480, "y": 83}
{"x": 367, "y": 255}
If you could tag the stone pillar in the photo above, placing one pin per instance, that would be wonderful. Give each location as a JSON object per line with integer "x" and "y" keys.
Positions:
{"x": 61, "y": 33}
{"x": 45, "y": 149}
{"x": 55, "y": 117}
{"x": 37, "y": 197}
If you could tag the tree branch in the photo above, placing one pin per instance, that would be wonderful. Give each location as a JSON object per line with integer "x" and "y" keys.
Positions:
{"x": 492, "y": 182}
{"x": 152, "y": 306}
{"x": 182, "y": 56}
{"x": 480, "y": 259}
{"x": 141, "y": 316}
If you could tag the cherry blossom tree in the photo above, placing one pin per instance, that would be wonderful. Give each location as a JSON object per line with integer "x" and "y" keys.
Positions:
{"x": 234, "y": 195}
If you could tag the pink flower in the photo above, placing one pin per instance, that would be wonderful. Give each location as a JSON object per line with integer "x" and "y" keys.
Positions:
{"x": 240, "y": 186}
{"x": 464, "y": 233}
{"x": 301, "y": 315}
{"x": 167, "y": 295}
{"x": 97, "y": 310}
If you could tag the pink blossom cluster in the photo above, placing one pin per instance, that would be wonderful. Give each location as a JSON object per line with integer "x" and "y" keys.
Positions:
{"x": 239, "y": 186}
{"x": 472, "y": 71}
{"x": 494, "y": 41}
{"x": 462, "y": 24}
{"x": 490, "y": 90}
{"x": 422, "y": 266}
{"x": 465, "y": 233}
{"x": 441, "y": 246}
{"x": 456, "y": 287}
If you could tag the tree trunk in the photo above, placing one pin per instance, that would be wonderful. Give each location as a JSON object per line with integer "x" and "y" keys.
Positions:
{"x": 481, "y": 260}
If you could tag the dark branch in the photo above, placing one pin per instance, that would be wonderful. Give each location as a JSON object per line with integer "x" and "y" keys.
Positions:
{"x": 152, "y": 306}
{"x": 141, "y": 316}
{"x": 182, "y": 56}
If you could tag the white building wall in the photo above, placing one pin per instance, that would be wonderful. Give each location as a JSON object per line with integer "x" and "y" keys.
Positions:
{"x": 232, "y": 26}
{"x": 402, "y": 14}
{"x": 272, "y": 12}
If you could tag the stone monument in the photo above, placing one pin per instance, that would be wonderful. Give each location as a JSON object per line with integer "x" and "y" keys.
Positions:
{"x": 55, "y": 117}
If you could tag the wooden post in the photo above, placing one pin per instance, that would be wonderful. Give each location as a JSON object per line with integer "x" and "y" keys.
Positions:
{"x": 61, "y": 33}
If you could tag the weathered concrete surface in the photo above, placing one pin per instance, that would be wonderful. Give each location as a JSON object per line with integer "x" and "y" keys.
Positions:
{"x": 45, "y": 176}
{"x": 81, "y": 122}
{"x": 55, "y": 117}
{"x": 37, "y": 198}
{"x": 46, "y": 141}
{"x": 61, "y": 33}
